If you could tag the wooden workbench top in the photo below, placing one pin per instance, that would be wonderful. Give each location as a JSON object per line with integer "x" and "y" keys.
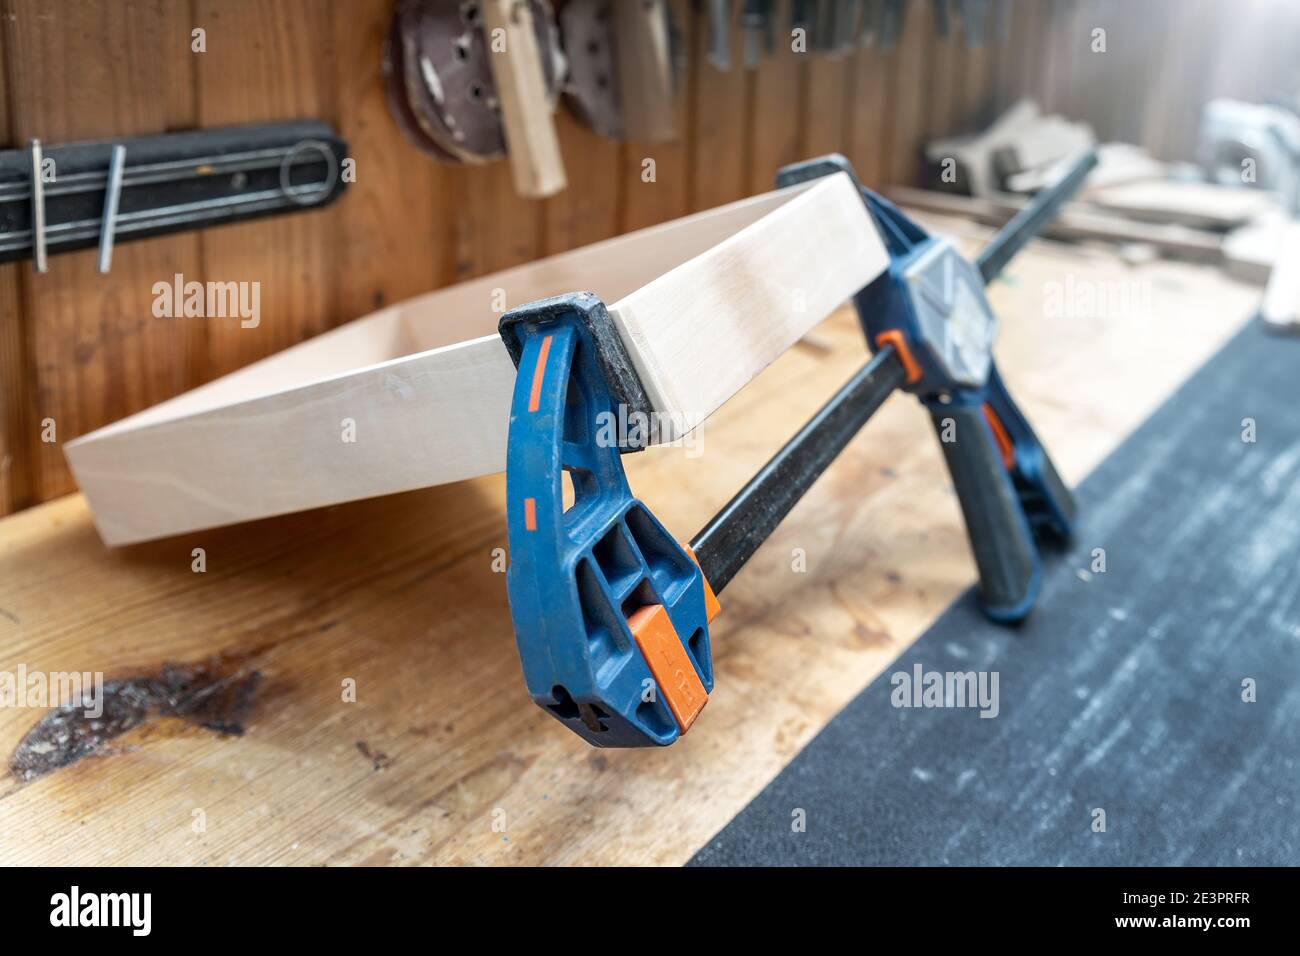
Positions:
{"x": 243, "y": 744}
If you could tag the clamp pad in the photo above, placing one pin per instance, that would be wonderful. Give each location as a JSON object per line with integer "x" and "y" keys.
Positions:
{"x": 611, "y": 354}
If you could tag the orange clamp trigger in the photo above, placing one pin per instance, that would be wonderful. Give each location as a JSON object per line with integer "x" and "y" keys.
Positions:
{"x": 669, "y": 663}
{"x": 674, "y": 674}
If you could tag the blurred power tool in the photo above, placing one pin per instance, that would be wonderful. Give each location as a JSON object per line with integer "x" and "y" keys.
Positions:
{"x": 1252, "y": 144}
{"x": 611, "y": 614}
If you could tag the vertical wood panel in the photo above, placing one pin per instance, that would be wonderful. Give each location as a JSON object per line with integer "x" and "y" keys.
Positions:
{"x": 718, "y": 160}
{"x": 1072, "y": 54}
{"x": 15, "y": 421}
{"x": 870, "y": 132}
{"x": 940, "y": 82}
{"x": 1180, "y": 84}
{"x": 97, "y": 352}
{"x": 1029, "y": 40}
{"x": 395, "y": 220}
{"x": 588, "y": 210}
{"x": 828, "y": 104}
{"x": 667, "y": 196}
{"x": 15, "y": 378}
{"x": 1113, "y": 76}
{"x": 495, "y": 227}
{"x": 267, "y": 62}
{"x": 972, "y": 82}
{"x": 777, "y": 98}
{"x": 905, "y": 108}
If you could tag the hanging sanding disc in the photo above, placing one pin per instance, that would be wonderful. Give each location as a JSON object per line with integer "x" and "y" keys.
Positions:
{"x": 590, "y": 41}
{"x": 439, "y": 77}
{"x": 395, "y": 94}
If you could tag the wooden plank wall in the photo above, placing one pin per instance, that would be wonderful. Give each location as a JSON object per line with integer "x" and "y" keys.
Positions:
{"x": 82, "y": 349}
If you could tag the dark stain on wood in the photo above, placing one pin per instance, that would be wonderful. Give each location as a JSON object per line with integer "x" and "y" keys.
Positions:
{"x": 378, "y": 759}
{"x": 216, "y": 695}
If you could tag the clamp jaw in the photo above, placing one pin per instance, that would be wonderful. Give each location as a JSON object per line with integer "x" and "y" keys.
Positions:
{"x": 611, "y": 614}
{"x": 931, "y": 308}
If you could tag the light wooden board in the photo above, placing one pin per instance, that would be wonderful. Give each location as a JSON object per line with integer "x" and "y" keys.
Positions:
{"x": 399, "y": 595}
{"x": 1076, "y": 221}
{"x": 1201, "y": 205}
{"x": 703, "y": 304}
{"x": 1281, "y": 305}
{"x": 1251, "y": 251}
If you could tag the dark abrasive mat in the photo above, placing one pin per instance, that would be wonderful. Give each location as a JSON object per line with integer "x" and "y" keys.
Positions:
{"x": 1123, "y": 692}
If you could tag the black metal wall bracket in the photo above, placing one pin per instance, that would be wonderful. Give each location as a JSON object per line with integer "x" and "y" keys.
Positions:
{"x": 74, "y": 196}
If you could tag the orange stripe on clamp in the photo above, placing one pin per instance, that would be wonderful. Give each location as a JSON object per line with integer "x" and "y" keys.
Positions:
{"x": 535, "y": 396}
{"x": 672, "y": 668}
{"x": 711, "y": 606}
{"x": 530, "y": 514}
{"x": 1005, "y": 446}
{"x": 895, "y": 338}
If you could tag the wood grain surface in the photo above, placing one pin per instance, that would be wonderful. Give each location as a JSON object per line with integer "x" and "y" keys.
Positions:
{"x": 400, "y": 595}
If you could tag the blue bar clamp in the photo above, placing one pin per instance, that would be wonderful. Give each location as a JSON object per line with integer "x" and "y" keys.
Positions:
{"x": 611, "y": 613}
{"x": 599, "y": 593}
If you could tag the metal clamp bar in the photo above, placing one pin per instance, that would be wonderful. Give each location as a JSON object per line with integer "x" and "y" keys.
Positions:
{"x": 1012, "y": 237}
{"x": 733, "y": 535}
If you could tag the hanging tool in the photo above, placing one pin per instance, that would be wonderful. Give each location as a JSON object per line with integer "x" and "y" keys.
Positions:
{"x": 801, "y": 17}
{"x": 611, "y": 613}
{"x": 758, "y": 20}
{"x": 892, "y": 20}
{"x": 109, "y": 192}
{"x": 458, "y": 92}
{"x": 719, "y": 53}
{"x": 112, "y": 197}
{"x": 625, "y": 66}
{"x": 942, "y": 27}
{"x": 519, "y": 77}
{"x": 848, "y": 25}
{"x": 974, "y": 20}
{"x": 822, "y": 34}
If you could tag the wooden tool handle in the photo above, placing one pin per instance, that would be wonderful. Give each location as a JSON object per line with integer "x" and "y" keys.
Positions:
{"x": 531, "y": 140}
{"x": 644, "y": 70}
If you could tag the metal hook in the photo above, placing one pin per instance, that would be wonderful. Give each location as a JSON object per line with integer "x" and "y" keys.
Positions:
{"x": 38, "y": 210}
{"x": 304, "y": 195}
{"x": 112, "y": 192}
